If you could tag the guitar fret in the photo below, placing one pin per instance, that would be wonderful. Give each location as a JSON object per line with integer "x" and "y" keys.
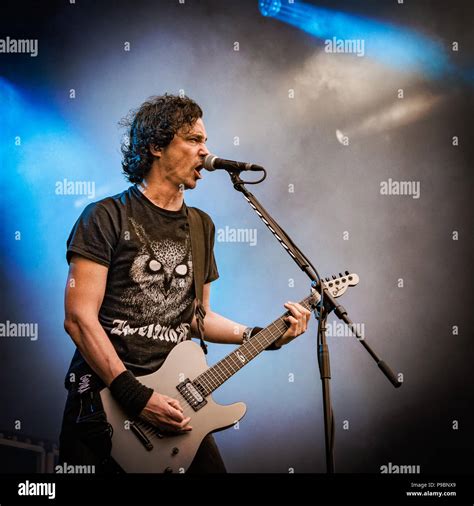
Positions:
{"x": 231, "y": 363}
{"x": 235, "y": 364}
{"x": 252, "y": 345}
{"x": 219, "y": 374}
{"x": 226, "y": 365}
{"x": 232, "y": 356}
{"x": 213, "y": 377}
{"x": 221, "y": 369}
{"x": 203, "y": 383}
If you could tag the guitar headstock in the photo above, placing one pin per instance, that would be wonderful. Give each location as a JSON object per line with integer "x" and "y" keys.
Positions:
{"x": 337, "y": 286}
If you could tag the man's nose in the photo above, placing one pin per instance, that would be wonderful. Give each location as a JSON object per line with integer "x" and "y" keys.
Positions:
{"x": 203, "y": 151}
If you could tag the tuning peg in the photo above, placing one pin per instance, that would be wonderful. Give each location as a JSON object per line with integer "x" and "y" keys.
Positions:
{"x": 340, "y": 274}
{"x": 333, "y": 276}
{"x": 347, "y": 273}
{"x": 327, "y": 279}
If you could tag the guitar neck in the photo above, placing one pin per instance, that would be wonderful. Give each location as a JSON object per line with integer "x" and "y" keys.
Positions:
{"x": 216, "y": 375}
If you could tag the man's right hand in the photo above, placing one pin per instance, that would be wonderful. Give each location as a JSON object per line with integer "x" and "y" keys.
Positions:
{"x": 165, "y": 412}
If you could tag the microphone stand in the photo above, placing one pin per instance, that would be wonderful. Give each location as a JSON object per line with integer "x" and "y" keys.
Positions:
{"x": 328, "y": 304}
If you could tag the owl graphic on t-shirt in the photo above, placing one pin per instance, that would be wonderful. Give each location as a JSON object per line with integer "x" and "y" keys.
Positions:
{"x": 162, "y": 274}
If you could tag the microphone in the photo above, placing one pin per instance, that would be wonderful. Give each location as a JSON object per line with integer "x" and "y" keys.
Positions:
{"x": 212, "y": 162}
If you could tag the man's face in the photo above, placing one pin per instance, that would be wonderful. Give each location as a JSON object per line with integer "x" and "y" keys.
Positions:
{"x": 181, "y": 161}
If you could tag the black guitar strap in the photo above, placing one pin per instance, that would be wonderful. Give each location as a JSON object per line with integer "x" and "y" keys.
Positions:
{"x": 196, "y": 231}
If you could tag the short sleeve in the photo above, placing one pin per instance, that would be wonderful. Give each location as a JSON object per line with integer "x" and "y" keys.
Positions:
{"x": 94, "y": 235}
{"x": 212, "y": 272}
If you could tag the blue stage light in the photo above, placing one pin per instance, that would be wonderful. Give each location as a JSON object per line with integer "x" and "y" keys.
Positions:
{"x": 391, "y": 44}
{"x": 269, "y": 7}
{"x": 38, "y": 149}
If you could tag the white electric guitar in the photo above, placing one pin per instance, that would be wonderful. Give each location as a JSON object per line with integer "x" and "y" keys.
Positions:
{"x": 139, "y": 447}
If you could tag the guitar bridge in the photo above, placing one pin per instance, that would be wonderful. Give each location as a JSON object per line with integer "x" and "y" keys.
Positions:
{"x": 141, "y": 436}
{"x": 192, "y": 394}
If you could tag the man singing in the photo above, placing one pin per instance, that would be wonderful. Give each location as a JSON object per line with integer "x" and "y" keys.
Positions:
{"x": 130, "y": 294}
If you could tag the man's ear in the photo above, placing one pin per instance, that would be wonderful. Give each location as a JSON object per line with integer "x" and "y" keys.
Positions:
{"x": 155, "y": 150}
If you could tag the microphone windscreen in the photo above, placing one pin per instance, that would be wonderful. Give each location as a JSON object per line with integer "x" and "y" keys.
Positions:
{"x": 209, "y": 162}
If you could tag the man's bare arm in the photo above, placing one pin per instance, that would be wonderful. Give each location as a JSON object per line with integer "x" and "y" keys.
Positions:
{"x": 85, "y": 291}
{"x": 222, "y": 330}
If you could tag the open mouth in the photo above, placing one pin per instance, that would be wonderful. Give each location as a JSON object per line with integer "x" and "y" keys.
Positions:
{"x": 197, "y": 171}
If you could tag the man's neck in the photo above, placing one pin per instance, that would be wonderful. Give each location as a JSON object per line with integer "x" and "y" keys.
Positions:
{"x": 162, "y": 193}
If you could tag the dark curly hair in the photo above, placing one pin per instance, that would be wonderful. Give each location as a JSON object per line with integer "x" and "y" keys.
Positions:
{"x": 154, "y": 123}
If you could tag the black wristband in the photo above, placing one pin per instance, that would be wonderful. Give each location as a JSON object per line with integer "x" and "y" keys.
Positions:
{"x": 130, "y": 393}
{"x": 272, "y": 346}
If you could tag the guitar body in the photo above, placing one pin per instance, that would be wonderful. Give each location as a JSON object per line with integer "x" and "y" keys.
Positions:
{"x": 171, "y": 452}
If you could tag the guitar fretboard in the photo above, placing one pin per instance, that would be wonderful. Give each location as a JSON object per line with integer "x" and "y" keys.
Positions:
{"x": 216, "y": 375}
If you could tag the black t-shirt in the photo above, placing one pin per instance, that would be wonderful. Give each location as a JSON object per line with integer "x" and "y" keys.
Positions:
{"x": 149, "y": 297}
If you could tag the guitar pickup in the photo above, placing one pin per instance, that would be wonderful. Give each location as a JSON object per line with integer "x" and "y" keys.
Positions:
{"x": 192, "y": 394}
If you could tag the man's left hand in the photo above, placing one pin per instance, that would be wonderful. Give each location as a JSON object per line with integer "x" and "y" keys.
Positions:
{"x": 298, "y": 321}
